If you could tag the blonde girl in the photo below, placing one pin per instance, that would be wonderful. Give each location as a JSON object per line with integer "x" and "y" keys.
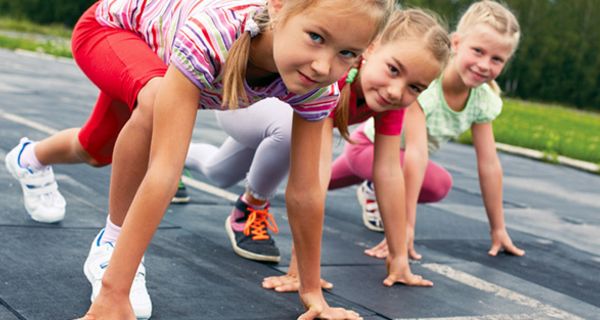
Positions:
{"x": 158, "y": 61}
{"x": 464, "y": 97}
{"x": 410, "y": 54}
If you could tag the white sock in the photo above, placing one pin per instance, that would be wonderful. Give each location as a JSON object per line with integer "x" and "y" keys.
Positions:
{"x": 28, "y": 158}
{"x": 111, "y": 232}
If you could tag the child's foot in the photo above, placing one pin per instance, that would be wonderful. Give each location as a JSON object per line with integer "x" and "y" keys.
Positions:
{"x": 41, "y": 197}
{"x": 370, "y": 211}
{"x": 95, "y": 265}
{"x": 247, "y": 229}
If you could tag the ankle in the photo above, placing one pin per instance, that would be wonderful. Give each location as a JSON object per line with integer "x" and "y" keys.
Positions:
{"x": 28, "y": 158}
{"x": 254, "y": 202}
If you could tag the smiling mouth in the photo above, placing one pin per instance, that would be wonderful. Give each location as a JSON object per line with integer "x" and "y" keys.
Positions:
{"x": 306, "y": 78}
{"x": 479, "y": 75}
{"x": 383, "y": 100}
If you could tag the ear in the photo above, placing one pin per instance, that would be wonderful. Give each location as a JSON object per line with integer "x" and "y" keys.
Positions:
{"x": 274, "y": 6}
{"x": 371, "y": 48}
{"x": 454, "y": 41}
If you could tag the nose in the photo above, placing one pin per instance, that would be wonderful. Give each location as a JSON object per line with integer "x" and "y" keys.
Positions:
{"x": 396, "y": 90}
{"x": 484, "y": 65}
{"x": 322, "y": 64}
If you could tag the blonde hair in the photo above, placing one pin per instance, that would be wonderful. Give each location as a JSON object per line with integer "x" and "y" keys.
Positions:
{"x": 234, "y": 73}
{"x": 403, "y": 25}
{"x": 498, "y": 17}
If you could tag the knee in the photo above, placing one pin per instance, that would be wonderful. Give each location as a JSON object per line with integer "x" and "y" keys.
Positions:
{"x": 142, "y": 114}
{"x": 84, "y": 156}
{"x": 440, "y": 188}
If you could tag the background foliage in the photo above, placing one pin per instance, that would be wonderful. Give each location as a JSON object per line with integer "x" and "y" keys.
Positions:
{"x": 557, "y": 60}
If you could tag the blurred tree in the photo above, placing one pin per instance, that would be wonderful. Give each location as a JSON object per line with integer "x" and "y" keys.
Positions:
{"x": 557, "y": 59}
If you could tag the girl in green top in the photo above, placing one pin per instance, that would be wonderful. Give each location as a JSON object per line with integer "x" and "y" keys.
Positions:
{"x": 465, "y": 96}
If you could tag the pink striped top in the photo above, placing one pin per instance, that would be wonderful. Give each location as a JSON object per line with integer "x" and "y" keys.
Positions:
{"x": 195, "y": 36}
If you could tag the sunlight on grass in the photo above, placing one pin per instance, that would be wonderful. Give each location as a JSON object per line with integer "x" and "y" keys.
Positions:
{"x": 55, "y": 30}
{"x": 553, "y": 129}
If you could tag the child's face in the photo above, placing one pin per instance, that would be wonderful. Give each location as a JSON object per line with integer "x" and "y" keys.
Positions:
{"x": 481, "y": 55}
{"x": 315, "y": 48}
{"x": 394, "y": 74}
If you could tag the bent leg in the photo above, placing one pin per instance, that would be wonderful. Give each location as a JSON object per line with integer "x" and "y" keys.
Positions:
{"x": 268, "y": 131}
{"x": 356, "y": 162}
{"x": 436, "y": 183}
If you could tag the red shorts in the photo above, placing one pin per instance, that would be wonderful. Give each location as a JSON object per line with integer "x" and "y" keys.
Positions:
{"x": 119, "y": 63}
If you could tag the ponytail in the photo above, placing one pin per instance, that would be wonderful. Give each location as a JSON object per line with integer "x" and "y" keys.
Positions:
{"x": 341, "y": 116}
{"x": 495, "y": 87}
{"x": 234, "y": 73}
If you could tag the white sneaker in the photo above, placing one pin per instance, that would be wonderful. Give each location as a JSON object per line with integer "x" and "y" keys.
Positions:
{"x": 97, "y": 262}
{"x": 370, "y": 211}
{"x": 41, "y": 197}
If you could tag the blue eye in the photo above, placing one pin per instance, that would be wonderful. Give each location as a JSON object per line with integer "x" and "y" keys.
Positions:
{"x": 416, "y": 89}
{"x": 393, "y": 70}
{"x": 348, "y": 54}
{"x": 315, "y": 37}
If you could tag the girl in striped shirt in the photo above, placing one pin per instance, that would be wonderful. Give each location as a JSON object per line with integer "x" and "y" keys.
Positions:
{"x": 411, "y": 52}
{"x": 158, "y": 61}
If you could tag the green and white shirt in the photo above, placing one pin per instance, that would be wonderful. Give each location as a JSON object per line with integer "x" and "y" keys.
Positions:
{"x": 443, "y": 123}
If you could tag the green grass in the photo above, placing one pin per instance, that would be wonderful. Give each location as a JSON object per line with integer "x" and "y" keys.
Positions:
{"x": 51, "y": 47}
{"x": 21, "y": 34}
{"x": 553, "y": 129}
{"x": 55, "y": 30}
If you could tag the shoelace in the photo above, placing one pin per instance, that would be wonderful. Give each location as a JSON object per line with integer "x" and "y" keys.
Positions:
{"x": 257, "y": 220}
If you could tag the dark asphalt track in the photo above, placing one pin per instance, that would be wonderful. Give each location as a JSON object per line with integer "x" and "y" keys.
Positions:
{"x": 551, "y": 212}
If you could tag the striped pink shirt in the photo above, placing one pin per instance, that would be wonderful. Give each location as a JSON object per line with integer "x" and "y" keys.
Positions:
{"x": 195, "y": 36}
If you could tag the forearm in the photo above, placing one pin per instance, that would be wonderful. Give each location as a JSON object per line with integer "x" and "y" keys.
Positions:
{"x": 140, "y": 224}
{"x": 391, "y": 202}
{"x": 490, "y": 181}
{"x": 415, "y": 164}
{"x": 305, "y": 212}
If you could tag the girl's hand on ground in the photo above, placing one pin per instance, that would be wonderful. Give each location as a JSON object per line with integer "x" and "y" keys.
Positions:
{"x": 288, "y": 283}
{"x": 317, "y": 308}
{"x": 109, "y": 308}
{"x": 399, "y": 272}
{"x": 501, "y": 240}
{"x": 380, "y": 251}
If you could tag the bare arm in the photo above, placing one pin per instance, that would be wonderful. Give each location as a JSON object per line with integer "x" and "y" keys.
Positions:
{"x": 490, "y": 182}
{"x": 173, "y": 121}
{"x": 305, "y": 202}
{"x": 390, "y": 190}
{"x": 416, "y": 157}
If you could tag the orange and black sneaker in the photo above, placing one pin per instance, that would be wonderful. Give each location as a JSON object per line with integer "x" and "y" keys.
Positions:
{"x": 248, "y": 229}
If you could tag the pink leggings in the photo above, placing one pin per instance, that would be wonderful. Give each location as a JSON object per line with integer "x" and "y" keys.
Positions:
{"x": 355, "y": 164}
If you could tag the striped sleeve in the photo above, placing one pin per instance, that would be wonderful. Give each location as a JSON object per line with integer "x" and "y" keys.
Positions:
{"x": 315, "y": 105}
{"x": 202, "y": 43}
